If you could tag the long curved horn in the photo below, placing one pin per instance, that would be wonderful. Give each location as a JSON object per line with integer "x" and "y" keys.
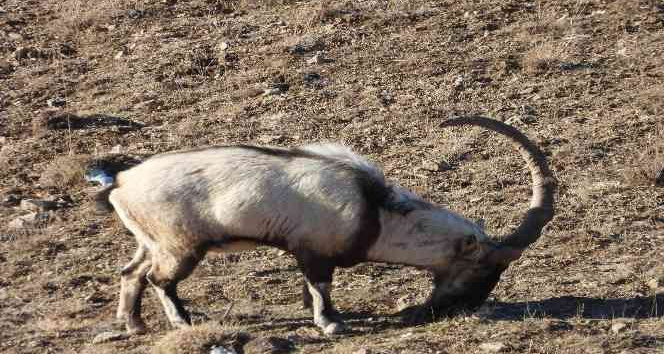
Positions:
{"x": 544, "y": 184}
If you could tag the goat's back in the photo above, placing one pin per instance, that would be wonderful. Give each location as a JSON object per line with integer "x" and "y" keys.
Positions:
{"x": 278, "y": 197}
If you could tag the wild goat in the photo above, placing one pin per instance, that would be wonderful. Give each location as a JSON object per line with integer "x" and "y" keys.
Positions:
{"x": 325, "y": 205}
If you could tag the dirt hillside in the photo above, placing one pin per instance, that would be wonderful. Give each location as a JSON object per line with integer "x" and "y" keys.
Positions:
{"x": 584, "y": 79}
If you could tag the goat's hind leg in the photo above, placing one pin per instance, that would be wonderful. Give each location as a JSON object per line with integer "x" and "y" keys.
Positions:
{"x": 167, "y": 270}
{"x": 132, "y": 286}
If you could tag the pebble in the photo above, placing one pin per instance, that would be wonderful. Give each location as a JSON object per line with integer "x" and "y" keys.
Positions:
{"x": 655, "y": 283}
{"x": 15, "y": 36}
{"x": 222, "y": 350}
{"x": 362, "y": 351}
{"x": 223, "y": 46}
{"x": 37, "y": 205}
{"x": 28, "y": 220}
{"x": 618, "y": 327}
{"x": 492, "y": 347}
{"x": 10, "y": 200}
{"x": 56, "y": 102}
{"x": 436, "y": 166}
{"x": 109, "y": 337}
{"x": 318, "y": 58}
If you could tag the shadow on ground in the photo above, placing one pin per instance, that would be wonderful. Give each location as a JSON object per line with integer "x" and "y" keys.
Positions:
{"x": 92, "y": 121}
{"x": 566, "y": 307}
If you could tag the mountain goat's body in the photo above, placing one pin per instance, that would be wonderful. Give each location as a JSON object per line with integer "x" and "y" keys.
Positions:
{"x": 325, "y": 205}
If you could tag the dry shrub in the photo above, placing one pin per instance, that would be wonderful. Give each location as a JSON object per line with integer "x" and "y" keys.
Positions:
{"x": 65, "y": 171}
{"x": 78, "y": 15}
{"x": 200, "y": 339}
{"x": 543, "y": 58}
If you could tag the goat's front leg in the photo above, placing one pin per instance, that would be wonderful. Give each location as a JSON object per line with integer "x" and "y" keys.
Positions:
{"x": 318, "y": 278}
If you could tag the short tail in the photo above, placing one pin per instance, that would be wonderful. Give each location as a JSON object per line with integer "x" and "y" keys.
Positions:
{"x": 104, "y": 171}
{"x": 102, "y": 204}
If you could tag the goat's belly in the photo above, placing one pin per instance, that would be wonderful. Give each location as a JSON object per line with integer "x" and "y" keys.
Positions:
{"x": 233, "y": 247}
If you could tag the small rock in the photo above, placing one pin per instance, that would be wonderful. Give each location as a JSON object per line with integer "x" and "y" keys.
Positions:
{"x": 310, "y": 78}
{"x": 15, "y": 36}
{"x": 307, "y": 44}
{"x": 271, "y": 91}
{"x": 135, "y": 14}
{"x": 22, "y": 53}
{"x": 618, "y": 327}
{"x": 655, "y": 283}
{"x": 28, "y": 220}
{"x": 362, "y": 351}
{"x": 492, "y": 347}
{"x": 96, "y": 298}
{"x": 109, "y": 337}
{"x": 458, "y": 82}
{"x": 405, "y": 302}
{"x": 222, "y": 350}
{"x": 56, "y": 102}
{"x": 318, "y": 58}
{"x": 436, "y": 166}
{"x": 119, "y": 55}
{"x": 223, "y": 46}
{"x": 269, "y": 345}
{"x": 38, "y": 205}
{"x": 10, "y": 200}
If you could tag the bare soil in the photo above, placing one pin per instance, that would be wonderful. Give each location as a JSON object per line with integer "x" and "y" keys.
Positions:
{"x": 584, "y": 79}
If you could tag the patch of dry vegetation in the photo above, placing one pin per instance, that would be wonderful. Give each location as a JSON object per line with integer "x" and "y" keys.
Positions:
{"x": 65, "y": 172}
{"x": 199, "y": 339}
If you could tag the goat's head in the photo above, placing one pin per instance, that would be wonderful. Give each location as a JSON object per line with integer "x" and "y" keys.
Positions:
{"x": 466, "y": 281}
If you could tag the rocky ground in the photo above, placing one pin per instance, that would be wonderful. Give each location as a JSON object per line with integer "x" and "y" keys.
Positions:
{"x": 584, "y": 79}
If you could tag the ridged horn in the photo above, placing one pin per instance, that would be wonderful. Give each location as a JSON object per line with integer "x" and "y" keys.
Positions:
{"x": 544, "y": 184}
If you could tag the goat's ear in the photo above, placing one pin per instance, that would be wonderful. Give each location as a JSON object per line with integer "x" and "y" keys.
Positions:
{"x": 504, "y": 256}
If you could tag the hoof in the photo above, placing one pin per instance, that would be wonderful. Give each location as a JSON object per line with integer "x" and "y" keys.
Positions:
{"x": 136, "y": 329}
{"x": 417, "y": 315}
{"x": 334, "y": 328}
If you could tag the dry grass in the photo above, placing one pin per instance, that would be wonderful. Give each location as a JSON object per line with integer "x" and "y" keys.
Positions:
{"x": 544, "y": 58}
{"x": 648, "y": 169}
{"x": 65, "y": 172}
{"x": 200, "y": 339}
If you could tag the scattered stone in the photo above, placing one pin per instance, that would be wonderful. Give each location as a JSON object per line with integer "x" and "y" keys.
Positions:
{"x": 269, "y": 345}
{"x": 15, "y": 36}
{"x": 222, "y": 350}
{"x": 135, "y": 14}
{"x": 10, "y": 200}
{"x": 318, "y": 58}
{"x": 306, "y": 45}
{"x": 458, "y": 82}
{"x": 223, "y": 46}
{"x": 311, "y": 78}
{"x": 23, "y": 53}
{"x": 656, "y": 283}
{"x": 436, "y": 166}
{"x": 29, "y": 220}
{"x": 271, "y": 91}
{"x": 492, "y": 347}
{"x": 56, "y": 102}
{"x": 618, "y": 327}
{"x": 109, "y": 337}
{"x": 405, "y": 302}
{"x": 119, "y": 55}
{"x": 659, "y": 177}
{"x": 38, "y": 205}
{"x": 362, "y": 351}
